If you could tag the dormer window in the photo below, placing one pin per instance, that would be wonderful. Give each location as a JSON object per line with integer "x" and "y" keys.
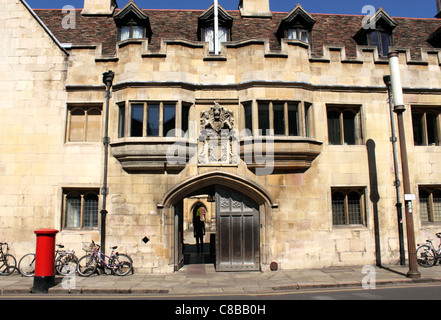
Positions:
{"x": 132, "y": 23}
{"x": 381, "y": 40}
{"x": 377, "y": 32}
{"x": 209, "y": 36}
{"x": 297, "y": 26}
{"x": 131, "y": 32}
{"x": 298, "y": 34}
{"x": 206, "y": 27}
{"x": 435, "y": 38}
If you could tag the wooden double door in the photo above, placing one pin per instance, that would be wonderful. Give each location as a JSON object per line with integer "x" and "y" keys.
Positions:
{"x": 237, "y": 238}
{"x": 237, "y": 232}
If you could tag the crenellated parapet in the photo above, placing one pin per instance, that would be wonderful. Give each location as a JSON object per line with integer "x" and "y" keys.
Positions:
{"x": 361, "y": 51}
{"x": 249, "y": 61}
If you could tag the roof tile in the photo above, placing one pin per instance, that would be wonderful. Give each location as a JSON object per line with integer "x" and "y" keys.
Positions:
{"x": 330, "y": 29}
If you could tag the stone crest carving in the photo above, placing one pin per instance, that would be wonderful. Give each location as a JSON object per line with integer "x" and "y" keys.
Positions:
{"x": 217, "y": 142}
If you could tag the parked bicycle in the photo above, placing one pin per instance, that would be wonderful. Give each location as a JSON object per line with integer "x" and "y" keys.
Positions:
{"x": 8, "y": 263}
{"x": 65, "y": 262}
{"x": 427, "y": 255}
{"x": 119, "y": 264}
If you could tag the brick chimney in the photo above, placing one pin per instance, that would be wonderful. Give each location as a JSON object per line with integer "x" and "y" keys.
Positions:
{"x": 256, "y": 8}
{"x": 99, "y": 7}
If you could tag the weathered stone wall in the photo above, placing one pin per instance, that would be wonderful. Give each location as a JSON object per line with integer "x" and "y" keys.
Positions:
{"x": 301, "y": 230}
{"x": 36, "y": 162}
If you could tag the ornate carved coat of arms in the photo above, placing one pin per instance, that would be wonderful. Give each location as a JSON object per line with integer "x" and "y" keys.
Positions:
{"x": 217, "y": 143}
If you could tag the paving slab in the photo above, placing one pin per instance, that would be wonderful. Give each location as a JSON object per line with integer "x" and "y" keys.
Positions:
{"x": 202, "y": 278}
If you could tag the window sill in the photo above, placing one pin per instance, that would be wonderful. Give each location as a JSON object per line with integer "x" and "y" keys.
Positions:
{"x": 215, "y": 57}
{"x": 83, "y": 143}
{"x": 126, "y": 42}
{"x": 347, "y": 146}
{"x": 79, "y": 230}
{"x": 353, "y": 227}
{"x": 426, "y": 146}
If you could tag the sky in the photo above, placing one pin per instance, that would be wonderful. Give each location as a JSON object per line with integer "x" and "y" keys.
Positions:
{"x": 395, "y": 8}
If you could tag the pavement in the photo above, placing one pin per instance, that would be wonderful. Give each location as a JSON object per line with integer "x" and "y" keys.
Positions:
{"x": 200, "y": 278}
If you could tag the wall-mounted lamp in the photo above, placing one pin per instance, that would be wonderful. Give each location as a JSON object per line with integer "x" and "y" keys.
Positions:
{"x": 108, "y": 78}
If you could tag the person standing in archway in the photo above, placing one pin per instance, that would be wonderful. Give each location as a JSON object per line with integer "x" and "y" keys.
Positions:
{"x": 199, "y": 231}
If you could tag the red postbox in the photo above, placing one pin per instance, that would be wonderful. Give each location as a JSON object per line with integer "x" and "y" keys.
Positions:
{"x": 44, "y": 260}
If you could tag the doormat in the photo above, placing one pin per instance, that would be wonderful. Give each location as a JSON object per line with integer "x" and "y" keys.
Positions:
{"x": 196, "y": 270}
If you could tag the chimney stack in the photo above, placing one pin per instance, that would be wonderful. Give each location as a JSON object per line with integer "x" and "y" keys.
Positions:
{"x": 438, "y": 7}
{"x": 99, "y": 7}
{"x": 256, "y": 8}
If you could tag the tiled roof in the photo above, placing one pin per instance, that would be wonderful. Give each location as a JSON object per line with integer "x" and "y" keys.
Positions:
{"x": 329, "y": 29}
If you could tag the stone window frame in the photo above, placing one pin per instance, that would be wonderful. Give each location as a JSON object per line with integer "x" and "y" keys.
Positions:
{"x": 183, "y": 117}
{"x": 346, "y": 192}
{"x": 87, "y": 109}
{"x": 83, "y": 193}
{"x": 121, "y": 120}
{"x": 433, "y": 205}
{"x": 356, "y": 110}
{"x": 178, "y": 124}
{"x": 423, "y": 112}
{"x": 304, "y": 117}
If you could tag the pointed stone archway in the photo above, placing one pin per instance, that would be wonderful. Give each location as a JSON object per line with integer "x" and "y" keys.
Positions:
{"x": 212, "y": 182}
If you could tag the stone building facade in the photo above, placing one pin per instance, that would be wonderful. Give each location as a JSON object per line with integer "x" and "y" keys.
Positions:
{"x": 282, "y": 137}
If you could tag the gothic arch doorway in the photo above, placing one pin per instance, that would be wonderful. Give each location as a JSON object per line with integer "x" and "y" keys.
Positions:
{"x": 243, "y": 213}
{"x": 198, "y": 211}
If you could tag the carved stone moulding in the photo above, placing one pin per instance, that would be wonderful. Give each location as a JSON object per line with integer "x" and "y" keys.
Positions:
{"x": 279, "y": 154}
{"x": 217, "y": 137}
{"x": 154, "y": 155}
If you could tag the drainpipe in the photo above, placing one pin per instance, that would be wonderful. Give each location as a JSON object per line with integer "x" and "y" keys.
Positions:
{"x": 399, "y": 109}
{"x": 397, "y": 181}
{"x": 107, "y": 80}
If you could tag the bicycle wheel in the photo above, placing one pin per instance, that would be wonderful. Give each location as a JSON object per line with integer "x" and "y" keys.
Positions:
{"x": 66, "y": 265}
{"x": 87, "y": 265}
{"x": 121, "y": 265}
{"x": 7, "y": 265}
{"x": 426, "y": 256}
{"x": 26, "y": 265}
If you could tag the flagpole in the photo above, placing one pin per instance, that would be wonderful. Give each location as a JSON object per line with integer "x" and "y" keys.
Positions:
{"x": 216, "y": 27}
